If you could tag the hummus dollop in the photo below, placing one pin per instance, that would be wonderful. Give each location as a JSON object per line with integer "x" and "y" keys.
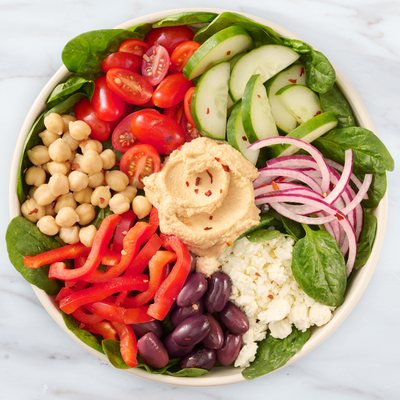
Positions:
{"x": 204, "y": 195}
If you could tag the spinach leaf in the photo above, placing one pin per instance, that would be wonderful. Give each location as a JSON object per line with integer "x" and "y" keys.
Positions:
{"x": 333, "y": 100}
{"x": 266, "y": 220}
{"x": 275, "y": 353}
{"x": 297, "y": 45}
{"x": 101, "y": 214}
{"x": 320, "y": 73}
{"x": 172, "y": 364}
{"x": 23, "y": 238}
{"x": 186, "y": 18}
{"x": 292, "y": 228}
{"x": 263, "y": 235}
{"x": 376, "y": 191}
{"x": 141, "y": 29}
{"x": 370, "y": 154}
{"x": 319, "y": 268}
{"x": 84, "y": 53}
{"x": 112, "y": 350}
{"x": 188, "y": 372}
{"x": 367, "y": 238}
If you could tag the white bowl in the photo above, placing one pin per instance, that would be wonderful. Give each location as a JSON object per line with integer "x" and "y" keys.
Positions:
{"x": 219, "y": 376}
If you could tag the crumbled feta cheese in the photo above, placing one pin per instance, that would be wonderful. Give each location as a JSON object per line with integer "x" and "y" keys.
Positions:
{"x": 280, "y": 329}
{"x": 207, "y": 265}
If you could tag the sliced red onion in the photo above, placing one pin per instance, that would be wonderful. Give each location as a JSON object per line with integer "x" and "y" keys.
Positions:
{"x": 360, "y": 195}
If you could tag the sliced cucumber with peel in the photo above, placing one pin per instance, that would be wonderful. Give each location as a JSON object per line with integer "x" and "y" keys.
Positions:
{"x": 236, "y": 134}
{"x": 266, "y": 61}
{"x": 220, "y": 47}
{"x": 295, "y": 74}
{"x": 210, "y": 101}
{"x": 258, "y": 121}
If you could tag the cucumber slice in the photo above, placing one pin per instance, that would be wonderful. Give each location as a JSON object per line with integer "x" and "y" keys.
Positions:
{"x": 210, "y": 101}
{"x": 295, "y": 74}
{"x": 236, "y": 134}
{"x": 258, "y": 121}
{"x": 266, "y": 60}
{"x": 220, "y": 47}
{"x": 300, "y": 101}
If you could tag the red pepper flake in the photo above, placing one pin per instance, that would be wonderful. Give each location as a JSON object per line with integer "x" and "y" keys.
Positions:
{"x": 302, "y": 71}
{"x": 257, "y": 274}
{"x": 208, "y": 110}
{"x": 210, "y": 217}
{"x": 270, "y": 296}
{"x": 226, "y": 168}
{"x": 196, "y": 191}
{"x": 339, "y": 216}
{"x": 228, "y": 244}
{"x": 207, "y": 228}
{"x": 220, "y": 190}
{"x": 102, "y": 200}
{"x": 208, "y": 193}
{"x": 198, "y": 180}
{"x": 275, "y": 186}
{"x": 259, "y": 96}
{"x": 244, "y": 138}
{"x": 187, "y": 183}
{"x": 292, "y": 80}
{"x": 317, "y": 113}
{"x": 210, "y": 175}
{"x": 228, "y": 53}
{"x": 34, "y": 211}
{"x": 217, "y": 159}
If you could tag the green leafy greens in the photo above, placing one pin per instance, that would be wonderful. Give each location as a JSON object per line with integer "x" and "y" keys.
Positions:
{"x": 367, "y": 238}
{"x": 186, "y": 18}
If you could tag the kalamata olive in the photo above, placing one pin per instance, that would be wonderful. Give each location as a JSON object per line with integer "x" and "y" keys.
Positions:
{"x": 234, "y": 319}
{"x": 228, "y": 353}
{"x": 191, "y": 331}
{"x": 203, "y": 358}
{"x": 193, "y": 290}
{"x": 181, "y": 313}
{"x": 152, "y": 326}
{"x": 174, "y": 349}
{"x": 152, "y": 351}
{"x": 215, "y": 338}
{"x": 219, "y": 290}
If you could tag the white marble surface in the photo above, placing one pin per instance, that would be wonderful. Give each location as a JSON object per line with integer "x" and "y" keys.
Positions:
{"x": 360, "y": 361}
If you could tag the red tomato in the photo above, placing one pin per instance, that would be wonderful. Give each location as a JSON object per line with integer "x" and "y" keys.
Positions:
{"x": 171, "y": 90}
{"x": 169, "y": 36}
{"x": 122, "y": 137}
{"x": 190, "y": 129}
{"x": 186, "y": 105}
{"x": 100, "y": 130}
{"x": 181, "y": 54}
{"x": 162, "y": 132}
{"x": 107, "y": 105}
{"x": 134, "y": 46}
{"x": 139, "y": 161}
{"x": 175, "y": 112}
{"x": 155, "y": 64}
{"x": 128, "y": 85}
{"x": 122, "y": 60}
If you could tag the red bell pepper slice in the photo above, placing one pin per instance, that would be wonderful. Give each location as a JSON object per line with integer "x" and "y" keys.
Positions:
{"x": 65, "y": 291}
{"x": 157, "y": 268}
{"x": 127, "y": 220}
{"x": 111, "y": 258}
{"x": 99, "y": 247}
{"x": 137, "y": 315}
{"x": 153, "y": 219}
{"x": 86, "y": 318}
{"x": 101, "y": 291}
{"x": 128, "y": 343}
{"x": 104, "y": 329}
{"x": 172, "y": 285}
{"x": 107, "y": 311}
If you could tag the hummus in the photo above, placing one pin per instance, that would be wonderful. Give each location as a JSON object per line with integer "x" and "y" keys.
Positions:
{"x": 204, "y": 195}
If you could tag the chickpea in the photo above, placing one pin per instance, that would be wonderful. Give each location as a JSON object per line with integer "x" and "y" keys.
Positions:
{"x": 86, "y": 213}
{"x": 119, "y": 204}
{"x": 49, "y": 209}
{"x": 70, "y": 235}
{"x": 87, "y": 235}
{"x": 48, "y": 226}
{"x": 76, "y": 162}
{"x": 67, "y": 119}
{"x": 48, "y": 137}
{"x": 38, "y": 155}
{"x": 78, "y": 181}
{"x": 108, "y": 157}
{"x": 35, "y": 176}
{"x": 141, "y": 206}
{"x": 79, "y": 130}
{"x": 72, "y": 156}
{"x": 59, "y": 151}
{"x": 91, "y": 162}
{"x": 67, "y": 217}
{"x": 130, "y": 192}
{"x": 54, "y": 167}
{"x": 43, "y": 195}
{"x": 54, "y": 123}
{"x": 91, "y": 145}
{"x": 58, "y": 185}
{"x": 32, "y": 191}
{"x": 117, "y": 180}
{"x": 83, "y": 196}
{"x": 96, "y": 180}
{"x": 31, "y": 210}
{"x": 101, "y": 196}
{"x": 71, "y": 142}
{"x": 66, "y": 200}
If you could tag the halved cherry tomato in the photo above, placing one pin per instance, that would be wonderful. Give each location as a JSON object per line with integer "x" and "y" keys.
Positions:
{"x": 128, "y": 85}
{"x": 134, "y": 46}
{"x": 100, "y": 130}
{"x": 171, "y": 90}
{"x": 107, "y": 105}
{"x": 186, "y": 105}
{"x": 155, "y": 64}
{"x": 156, "y": 129}
{"x": 120, "y": 59}
{"x": 169, "y": 36}
{"x": 177, "y": 114}
{"x": 122, "y": 137}
{"x": 139, "y": 161}
{"x": 181, "y": 54}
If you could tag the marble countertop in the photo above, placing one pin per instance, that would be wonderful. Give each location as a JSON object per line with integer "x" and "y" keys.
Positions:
{"x": 360, "y": 361}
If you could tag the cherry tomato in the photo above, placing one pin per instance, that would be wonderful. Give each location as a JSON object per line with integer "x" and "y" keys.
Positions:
{"x": 186, "y": 105}
{"x": 122, "y": 60}
{"x": 134, "y": 46}
{"x": 128, "y": 85}
{"x": 171, "y": 90}
{"x": 175, "y": 112}
{"x": 169, "y": 36}
{"x": 190, "y": 129}
{"x": 100, "y": 130}
{"x": 122, "y": 137}
{"x": 107, "y": 105}
{"x": 162, "y": 132}
{"x": 181, "y": 54}
{"x": 139, "y": 161}
{"x": 155, "y": 64}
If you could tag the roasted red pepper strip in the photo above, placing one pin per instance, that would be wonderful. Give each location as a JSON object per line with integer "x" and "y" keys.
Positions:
{"x": 111, "y": 258}
{"x": 172, "y": 285}
{"x": 128, "y": 343}
{"x": 101, "y": 291}
{"x": 104, "y": 329}
{"x": 65, "y": 291}
{"x": 99, "y": 247}
{"x": 137, "y": 315}
{"x": 86, "y": 318}
{"x": 153, "y": 219}
{"x": 157, "y": 268}
{"x": 107, "y": 311}
{"x": 128, "y": 218}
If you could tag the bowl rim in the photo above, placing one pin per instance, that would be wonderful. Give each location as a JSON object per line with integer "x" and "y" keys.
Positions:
{"x": 222, "y": 376}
